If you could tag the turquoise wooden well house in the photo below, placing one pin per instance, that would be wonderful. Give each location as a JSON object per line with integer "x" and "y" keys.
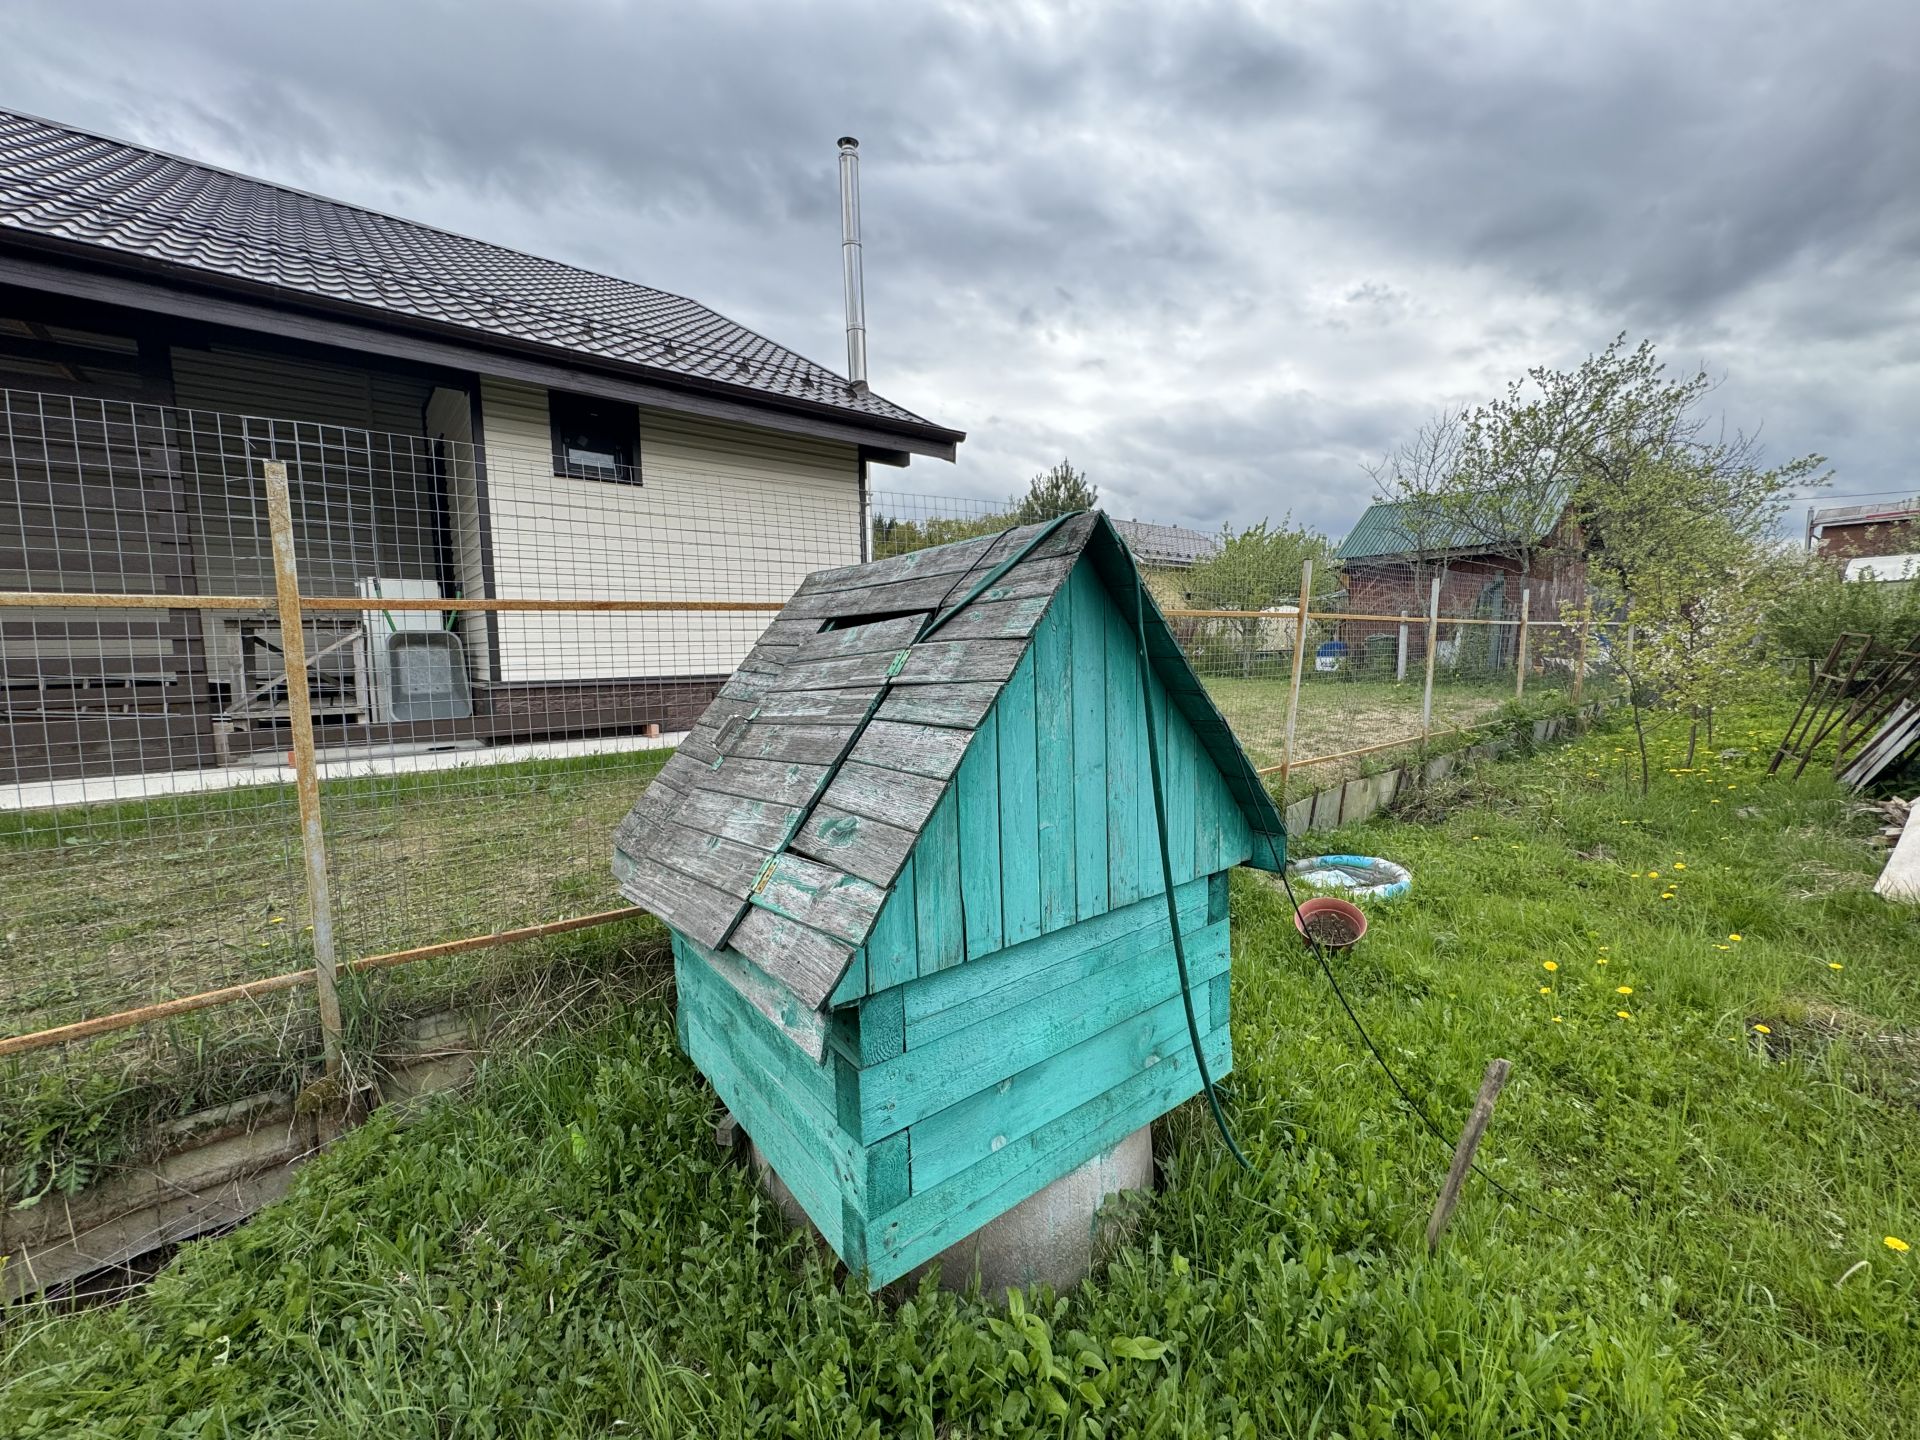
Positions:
{"x": 914, "y": 881}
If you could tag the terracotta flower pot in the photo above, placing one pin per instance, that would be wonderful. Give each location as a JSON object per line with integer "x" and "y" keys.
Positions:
{"x": 1341, "y": 930}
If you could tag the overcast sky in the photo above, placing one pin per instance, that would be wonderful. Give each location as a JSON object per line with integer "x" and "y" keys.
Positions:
{"x": 1219, "y": 255}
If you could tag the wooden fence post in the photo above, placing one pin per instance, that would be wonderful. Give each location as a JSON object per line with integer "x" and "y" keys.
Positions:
{"x": 1400, "y": 662}
{"x": 1433, "y": 644}
{"x": 306, "y": 779}
{"x": 1490, "y": 1087}
{"x": 1520, "y": 667}
{"x": 1299, "y": 655}
{"x": 1580, "y": 659}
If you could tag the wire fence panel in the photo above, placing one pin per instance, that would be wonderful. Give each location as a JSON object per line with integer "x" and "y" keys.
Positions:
{"x": 473, "y": 658}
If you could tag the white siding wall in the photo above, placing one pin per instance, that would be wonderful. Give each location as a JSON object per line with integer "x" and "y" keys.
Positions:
{"x": 724, "y": 512}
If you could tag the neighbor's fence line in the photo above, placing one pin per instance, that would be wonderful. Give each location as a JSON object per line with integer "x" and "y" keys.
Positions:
{"x": 1524, "y": 625}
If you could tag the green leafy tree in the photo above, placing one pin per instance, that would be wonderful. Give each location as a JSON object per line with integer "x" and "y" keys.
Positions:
{"x": 1694, "y": 586}
{"x": 1256, "y": 570}
{"x": 1815, "y": 604}
{"x": 895, "y": 536}
{"x": 1059, "y": 491}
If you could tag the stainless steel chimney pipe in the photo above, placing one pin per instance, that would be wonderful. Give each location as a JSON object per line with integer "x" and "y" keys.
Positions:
{"x": 852, "y": 274}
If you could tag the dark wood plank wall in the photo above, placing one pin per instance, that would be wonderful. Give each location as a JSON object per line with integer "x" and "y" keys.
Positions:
{"x": 91, "y": 499}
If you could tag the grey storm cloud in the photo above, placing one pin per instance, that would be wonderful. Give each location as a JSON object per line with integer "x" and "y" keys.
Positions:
{"x": 1221, "y": 255}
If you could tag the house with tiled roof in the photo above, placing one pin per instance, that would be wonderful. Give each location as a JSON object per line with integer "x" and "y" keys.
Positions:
{"x": 459, "y": 420}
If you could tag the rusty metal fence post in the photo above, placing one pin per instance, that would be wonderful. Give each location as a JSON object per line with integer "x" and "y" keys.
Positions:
{"x": 306, "y": 778}
{"x": 1299, "y": 655}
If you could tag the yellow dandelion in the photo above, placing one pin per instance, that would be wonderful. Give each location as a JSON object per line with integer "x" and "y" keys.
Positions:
{"x": 1623, "y": 989}
{"x": 1896, "y": 1244}
{"x": 1624, "y": 1015}
{"x": 1600, "y": 960}
{"x": 1678, "y": 866}
{"x": 1556, "y": 1019}
{"x": 1667, "y": 896}
{"x": 1762, "y": 1029}
{"x": 1835, "y": 965}
{"x": 1653, "y": 874}
{"x": 276, "y": 920}
{"x": 1735, "y": 937}
{"x": 1546, "y": 989}
{"x": 1723, "y": 947}
{"x": 1549, "y": 965}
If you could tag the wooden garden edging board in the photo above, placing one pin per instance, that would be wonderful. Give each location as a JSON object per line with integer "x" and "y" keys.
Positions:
{"x": 1364, "y": 796}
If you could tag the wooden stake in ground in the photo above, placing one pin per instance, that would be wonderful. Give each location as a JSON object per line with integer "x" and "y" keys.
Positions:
{"x": 1490, "y": 1086}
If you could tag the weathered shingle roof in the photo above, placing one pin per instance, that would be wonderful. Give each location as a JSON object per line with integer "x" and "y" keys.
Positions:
{"x": 65, "y": 184}
{"x": 1407, "y": 527}
{"x": 1169, "y": 545}
{"x": 695, "y": 849}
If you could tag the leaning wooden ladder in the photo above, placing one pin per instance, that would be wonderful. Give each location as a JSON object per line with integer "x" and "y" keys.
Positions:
{"x": 1827, "y": 705}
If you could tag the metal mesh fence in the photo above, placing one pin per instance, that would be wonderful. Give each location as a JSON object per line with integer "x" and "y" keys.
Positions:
{"x": 471, "y": 661}
{"x": 1386, "y": 652}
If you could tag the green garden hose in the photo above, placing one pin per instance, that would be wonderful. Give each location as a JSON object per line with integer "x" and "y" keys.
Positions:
{"x": 1166, "y": 875}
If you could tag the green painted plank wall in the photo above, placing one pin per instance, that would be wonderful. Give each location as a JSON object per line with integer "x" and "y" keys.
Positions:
{"x": 1053, "y": 738}
{"x": 1126, "y": 764}
{"x": 1088, "y": 704}
{"x": 1017, "y": 745}
{"x": 930, "y": 1221}
{"x": 1029, "y": 974}
{"x": 940, "y": 933}
{"x": 968, "y": 1131}
{"x": 978, "y": 787}
{"x": 1050, "y": 820}
{"x": 927, "y": 1078}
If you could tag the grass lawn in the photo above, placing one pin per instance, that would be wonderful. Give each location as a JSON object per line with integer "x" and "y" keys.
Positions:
{"x": 562, "y": 1253}
{"x": 106, "y": 907}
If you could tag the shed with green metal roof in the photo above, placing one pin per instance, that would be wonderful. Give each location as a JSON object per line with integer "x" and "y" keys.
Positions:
{"x": 912, "y": 861}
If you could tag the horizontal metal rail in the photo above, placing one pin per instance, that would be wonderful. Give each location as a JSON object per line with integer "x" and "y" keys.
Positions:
{"x": 207, "y": 999}
{"x": 1286, "y": 617}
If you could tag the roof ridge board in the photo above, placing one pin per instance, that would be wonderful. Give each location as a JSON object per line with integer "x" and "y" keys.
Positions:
{"x": 1034, "y": 575}
{"x": 955, "y": 555}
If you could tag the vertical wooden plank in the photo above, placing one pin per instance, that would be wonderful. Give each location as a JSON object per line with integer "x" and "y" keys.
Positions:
{"x": 1053, "y": 700}
{"x": 1219, "y": 1002}
{"x": 892, "y": 951}
{"x": 1152, "y": 881}
{"x": 936, "y": 889}
{"x": 1126, "y": 781}
{"x": 881, "y": 1027}
{"x": 1019, "y": 807}
{"x": 1089, "y": 742}
{"x": 1182, "y": 777}
{"x": 853, "y": 984}
{"x": 977, "y": 786}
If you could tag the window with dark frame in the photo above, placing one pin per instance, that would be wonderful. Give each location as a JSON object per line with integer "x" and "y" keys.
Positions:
{"x": 594, "y": 439}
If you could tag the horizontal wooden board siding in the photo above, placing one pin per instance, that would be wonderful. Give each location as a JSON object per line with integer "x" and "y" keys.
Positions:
{"x": 944, "y": 1071}
{"x": 723, "y": 512}
{"x": 931, "y": 1220}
